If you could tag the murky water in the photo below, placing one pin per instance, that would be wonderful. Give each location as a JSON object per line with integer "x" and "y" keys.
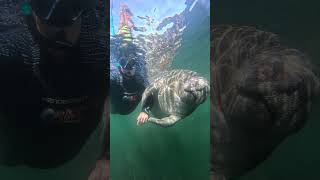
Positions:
{"x": 150, "y": 152}
{"x": 295, "y": 21}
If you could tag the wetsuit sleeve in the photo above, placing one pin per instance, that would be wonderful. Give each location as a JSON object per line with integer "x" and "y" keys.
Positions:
{"x": 7, "y": 59}
{"x": 10, "y": 68}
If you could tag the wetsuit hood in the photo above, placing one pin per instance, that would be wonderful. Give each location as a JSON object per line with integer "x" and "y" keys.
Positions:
{"x": 60, "y": 13}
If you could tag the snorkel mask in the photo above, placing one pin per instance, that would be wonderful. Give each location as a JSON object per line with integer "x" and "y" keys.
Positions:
{"x": 128, "y": 72}
{"x": 128, "y": 69}
{"x": 58, "y": 14}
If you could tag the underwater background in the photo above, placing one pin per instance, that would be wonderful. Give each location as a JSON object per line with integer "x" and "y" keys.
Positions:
{"x": 180, "y": 152}
{"x": 76, "y": 169}
{"x": 297, "y": 24}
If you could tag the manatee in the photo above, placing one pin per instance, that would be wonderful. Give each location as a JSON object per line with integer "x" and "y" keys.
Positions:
{"x": 174, "y": 95}
{"x": 261, "y": 93}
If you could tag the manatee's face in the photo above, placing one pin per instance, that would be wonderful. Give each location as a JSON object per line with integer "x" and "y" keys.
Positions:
{"x": 197, "y": 89}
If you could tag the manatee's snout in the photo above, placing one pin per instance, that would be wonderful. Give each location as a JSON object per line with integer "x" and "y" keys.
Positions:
{"x": 198, "y": 87}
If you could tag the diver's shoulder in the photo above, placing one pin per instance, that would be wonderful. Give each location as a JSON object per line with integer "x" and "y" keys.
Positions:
{"x": 15, "y": 42}
{"x": 12, "y": 23}
{"x": 8, "y": 37}
{"x": 11, "y": 12}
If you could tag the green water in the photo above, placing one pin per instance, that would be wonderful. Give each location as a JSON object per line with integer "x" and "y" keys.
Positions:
{"x": 297, "y": 23}
{"x": 181, "y": 152}
{"x": 76, "y": 169}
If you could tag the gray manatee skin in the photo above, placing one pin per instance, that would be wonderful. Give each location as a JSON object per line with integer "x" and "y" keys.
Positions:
{"x": 261, "y": 93}
{"x": 175, "y": 95}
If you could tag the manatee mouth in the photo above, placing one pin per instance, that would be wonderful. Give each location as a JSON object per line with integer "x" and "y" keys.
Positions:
{"x": 197, "y": 88}
{"x": 193, "y": 94}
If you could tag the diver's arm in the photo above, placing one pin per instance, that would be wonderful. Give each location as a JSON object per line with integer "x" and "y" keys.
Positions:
{"x": 146, "y": 107}
{"x": 146, "y": 110}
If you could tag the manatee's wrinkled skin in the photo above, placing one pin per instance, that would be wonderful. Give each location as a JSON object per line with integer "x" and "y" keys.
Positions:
{"x": 261, "y": 93}
{"x": 176, "y": 94}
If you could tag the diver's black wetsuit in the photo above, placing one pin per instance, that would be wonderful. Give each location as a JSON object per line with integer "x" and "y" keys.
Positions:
{"x": 123, "y": 87}
{"x": 122, "y": 92}
{"x": 51, "y": 99}
{"x": 147, "y": 104}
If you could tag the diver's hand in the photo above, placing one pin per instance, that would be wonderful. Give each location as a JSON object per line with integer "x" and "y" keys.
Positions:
{"x": 142, "y": 118}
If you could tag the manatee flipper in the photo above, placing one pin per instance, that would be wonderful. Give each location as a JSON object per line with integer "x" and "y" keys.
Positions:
{"x": 166, "y": 121}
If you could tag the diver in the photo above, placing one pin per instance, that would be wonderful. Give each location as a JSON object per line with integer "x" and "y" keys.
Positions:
{"x": 127, "y": 66}
{"x": 126, "y": 26}
{"x": 127, "y": 79}
{"x": 54, "y": 80}
{"x": 126, "y": 22}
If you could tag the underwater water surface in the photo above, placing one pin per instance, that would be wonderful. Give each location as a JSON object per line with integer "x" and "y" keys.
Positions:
{"x": 180, "y": 152}
{"x": 295, "y": 21}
